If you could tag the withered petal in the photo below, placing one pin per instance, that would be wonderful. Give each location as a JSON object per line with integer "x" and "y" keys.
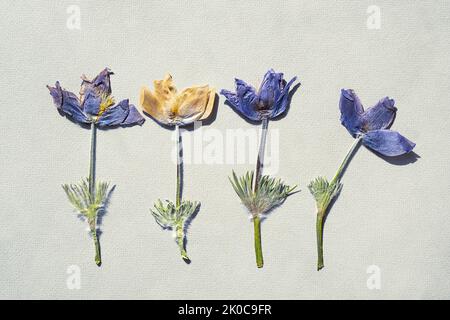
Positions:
{"x": 191, "y": 104}
{"x": 210, "y": 105}
{"x": 153, "y": 105}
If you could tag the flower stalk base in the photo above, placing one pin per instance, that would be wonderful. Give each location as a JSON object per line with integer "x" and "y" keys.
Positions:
{"x": 180, "y": 241}
{"x": 97, "y": 259}
{"x": 319, "y": 231}
{"x": 258, "y": 247}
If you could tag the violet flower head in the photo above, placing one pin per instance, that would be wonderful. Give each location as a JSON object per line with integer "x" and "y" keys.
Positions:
{"x": 270, "y": 101}
{"x": 95, "y": 103}
{"x": 373, "y": 124}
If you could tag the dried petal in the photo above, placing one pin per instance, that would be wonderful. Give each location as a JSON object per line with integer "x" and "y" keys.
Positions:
{"x": 387, "y": 142}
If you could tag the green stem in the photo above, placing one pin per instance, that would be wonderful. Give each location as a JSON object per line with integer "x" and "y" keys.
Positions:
{"x": 258, "y": 247}
{"x": 322, "y": 213}
{"x": 179, "y": 150}
{"x": 260, "y": 159}
{"x": 92, "y": 160}
{"x": 180, "y": 241}
{"x": 98, "y": 259}
{"x": 347, "y": 158}
{"x": 319, "y": 231}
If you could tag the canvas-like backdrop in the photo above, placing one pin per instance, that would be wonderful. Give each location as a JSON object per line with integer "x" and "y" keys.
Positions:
{"x": 391, "y": 221}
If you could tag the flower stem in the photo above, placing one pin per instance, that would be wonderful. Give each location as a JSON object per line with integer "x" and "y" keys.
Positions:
{"x": 258, "y": 247}
{"x": 260, "y": 159}
{"x": 180, "y": 227}
{"x": 98, "y": 259}
{"x": 92, "y": 160}
{"x": 344, "y": 163}
{"x": 322, "y": 213}
{"x": 180, "y": 241}
{"x": 257, "y": 176}
{"x": 319, "y": 231}
{"x": 179, "y": 164}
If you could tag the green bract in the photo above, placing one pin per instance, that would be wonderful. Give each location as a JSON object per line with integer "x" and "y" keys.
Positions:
{"x": 324, "y": 192}
{"x": 269, "y": 192}
{"x": 169, "y": 216}
{"x": 176, "y": 218}
{"x": 89, "y": 200}
{"x": 86, "y": 204}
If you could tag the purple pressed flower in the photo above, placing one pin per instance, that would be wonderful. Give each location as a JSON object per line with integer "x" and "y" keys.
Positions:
{"x": 95, "y": 103}
{"x": 260, "y": 194}
{"x": 268, "y": 102}
{"x": 370, "y": 126}
{"x": 94, "y": 106}
{"x": 373, "y": 124}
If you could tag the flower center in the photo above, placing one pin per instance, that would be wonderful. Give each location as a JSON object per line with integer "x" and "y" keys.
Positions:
{"x": 106, "y": 102}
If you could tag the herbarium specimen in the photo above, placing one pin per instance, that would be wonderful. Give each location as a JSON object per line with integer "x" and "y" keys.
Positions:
{"x": 371, "y": 127}
{"x": 260, "y": 193}
{"x": 93, "y": 108}
{"x": 176, "y": 109}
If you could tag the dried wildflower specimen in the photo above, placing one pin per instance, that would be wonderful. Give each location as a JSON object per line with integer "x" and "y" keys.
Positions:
{"x": 94, "y": 107}
{"x": 172, "y": 108}
{"x": 258, "y": 193}
{"x": 176, "y": 109}
{"x": 371, "y": 127}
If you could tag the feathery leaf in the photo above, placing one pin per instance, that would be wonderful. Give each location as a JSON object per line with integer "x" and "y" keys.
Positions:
{"x": 168, "y": 216}
{"x": 270, "y": 192}
{"x": 86, "y": 204}
{"x": 324, "y": 192}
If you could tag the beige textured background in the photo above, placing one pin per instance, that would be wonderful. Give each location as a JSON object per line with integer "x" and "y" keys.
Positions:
{"x": 390, "y": 215}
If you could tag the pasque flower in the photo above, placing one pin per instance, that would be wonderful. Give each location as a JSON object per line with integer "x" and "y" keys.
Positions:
{"x": 170, "y": 107}
{"x": 176, "y": 109}
{"x": 373, "y": 124}
{"x": 270, "y": 101}
{"x": 370, "y": 126}
{"x": 94, "y": 107}
{"x": 260, "y": 194}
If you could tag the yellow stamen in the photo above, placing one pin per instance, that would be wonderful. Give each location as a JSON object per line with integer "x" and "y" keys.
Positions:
{"x": 107, "y": 101}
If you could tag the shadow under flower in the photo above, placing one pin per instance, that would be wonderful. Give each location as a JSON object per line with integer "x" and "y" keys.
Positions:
{"x": 402, "y": 160}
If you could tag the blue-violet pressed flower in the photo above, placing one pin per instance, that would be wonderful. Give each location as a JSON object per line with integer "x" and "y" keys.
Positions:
{"x": 94, "y": 107}
{"x": 373, "y": 124}
{"x": 370, "y": 126}
{"x": 95, "y": 103}
{"x": 260, "y": 194}
{"x": 270, "y": 101}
